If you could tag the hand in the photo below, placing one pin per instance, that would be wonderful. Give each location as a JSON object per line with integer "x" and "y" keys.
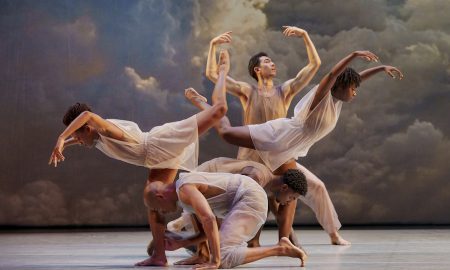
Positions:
{"x": 290, "y": 31}
{"x": 208, "y": 265}
{"x": 224, "y": 62}
{"x": 223, "y": 38}
{"x": 393, "y": 72}
{"x": 57, "y": 155}
{"x": 369, "y": 56}
{"x": 172, "y": 244}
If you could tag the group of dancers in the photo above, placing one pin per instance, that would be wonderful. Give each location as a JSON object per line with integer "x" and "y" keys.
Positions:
{"x": 225, "y": 201}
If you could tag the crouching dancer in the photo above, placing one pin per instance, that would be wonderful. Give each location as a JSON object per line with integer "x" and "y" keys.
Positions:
{"x": 239, "y": 201}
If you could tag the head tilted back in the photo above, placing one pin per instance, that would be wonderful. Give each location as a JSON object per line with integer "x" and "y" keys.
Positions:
{"x": 348, "y": 77}
{"x": 254, "y": 62}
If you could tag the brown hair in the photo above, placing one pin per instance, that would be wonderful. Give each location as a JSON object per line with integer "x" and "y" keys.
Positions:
{"x": 74, "y": 111}
{"x": 254, "y": 62}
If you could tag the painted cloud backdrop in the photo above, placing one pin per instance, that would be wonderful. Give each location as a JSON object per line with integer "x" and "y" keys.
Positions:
{"x": 387, "y": 161}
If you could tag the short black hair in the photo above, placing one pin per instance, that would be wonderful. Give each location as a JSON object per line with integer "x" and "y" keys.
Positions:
{"x": 74, "y": 111}
{"x": 296, "y": 180}
{"x": 348, "y": 77}
{"x": 254, "y": 62}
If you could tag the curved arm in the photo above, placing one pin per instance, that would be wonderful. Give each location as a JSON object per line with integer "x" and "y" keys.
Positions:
{"x": 328, "y": 80}
{"x": 390, "y": 70}
{"x": 100, "y": 124}
{"x": 305, "y": 75}
{"x": 190, "y": 195}
{"x": 236, "y": 88}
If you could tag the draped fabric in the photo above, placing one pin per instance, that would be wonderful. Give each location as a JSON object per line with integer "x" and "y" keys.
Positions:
{"x": 280, "y": 140}
{"x": 242, "y": 206}
{"x": 173, "y": 145}
{"x": 260, "y": 108}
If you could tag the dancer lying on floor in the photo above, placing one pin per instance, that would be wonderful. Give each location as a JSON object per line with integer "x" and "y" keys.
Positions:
{"x": 239, "y": 201}
{"x": 163, "y": 150}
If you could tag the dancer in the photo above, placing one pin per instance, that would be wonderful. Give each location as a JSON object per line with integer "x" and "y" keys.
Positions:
{"x": 318, "y": 198}
{"x": 265, "y": 102}
{"x": 240, "y": 202}
{"x": 163, "y": 150}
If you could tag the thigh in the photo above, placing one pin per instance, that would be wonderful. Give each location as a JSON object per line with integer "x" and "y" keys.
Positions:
{"x": 239, "y": 136}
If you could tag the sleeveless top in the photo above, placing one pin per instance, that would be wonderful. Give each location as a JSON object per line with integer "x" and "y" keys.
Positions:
{"x": 259, "y": 109}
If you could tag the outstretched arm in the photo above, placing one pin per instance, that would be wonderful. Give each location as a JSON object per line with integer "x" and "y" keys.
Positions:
{"x": 236, "y": 88}
{"x": 190, "y": 195}
{"x": 390, "y": 70}
{"x": 293, "y": 86}
{"x": 328, "y": 80}
{"x": 101, "y": 125}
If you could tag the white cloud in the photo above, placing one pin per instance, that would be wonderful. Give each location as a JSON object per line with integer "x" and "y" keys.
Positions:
{"x": 148, "y": 86}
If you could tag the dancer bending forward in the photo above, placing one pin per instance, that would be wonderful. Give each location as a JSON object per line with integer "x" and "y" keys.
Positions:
{"x": 239, "y": 201}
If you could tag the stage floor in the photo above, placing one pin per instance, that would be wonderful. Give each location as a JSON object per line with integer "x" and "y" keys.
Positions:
{"x": 372, "y": 249}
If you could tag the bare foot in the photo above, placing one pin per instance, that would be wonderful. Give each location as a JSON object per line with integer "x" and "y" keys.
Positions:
{"x": 150, "y": 248}
{"x": 293, "y": 251}
{"x": 152, "y": 262}
{"x": 177, "y": 224}
{"x": 196, "y": 259}
{"x": 336, "y": 239}
{"x": 194, "y": 97}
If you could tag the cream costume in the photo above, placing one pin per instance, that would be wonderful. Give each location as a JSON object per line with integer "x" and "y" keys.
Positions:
{"x": 173, "y": 145}
{"x": 242, "y": 206}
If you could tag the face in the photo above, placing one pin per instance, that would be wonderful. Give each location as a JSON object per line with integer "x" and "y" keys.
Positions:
{"x": 286, "y": 195}
{"x": 85, "y": 136}
{"x": 266, "y": 67}
{"x": 345, "y": 94}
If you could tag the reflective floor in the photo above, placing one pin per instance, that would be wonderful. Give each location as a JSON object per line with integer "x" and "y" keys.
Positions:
{"x": 371, "y": 249}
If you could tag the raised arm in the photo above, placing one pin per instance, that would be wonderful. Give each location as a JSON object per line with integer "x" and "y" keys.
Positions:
{"x": 328, "y": 80}
{"x": 236, "y": 88}
{"x": 390, "y": 70}
{"x": 190, "y": 195}
{"x": 293, "y": 86}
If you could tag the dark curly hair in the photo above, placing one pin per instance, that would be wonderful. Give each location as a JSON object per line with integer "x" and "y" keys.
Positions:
{"x": 296, "y": 180}
{"x": 254, "y": 62}
{"x": 74, "y": 111}
{"x": 348, "y": 77}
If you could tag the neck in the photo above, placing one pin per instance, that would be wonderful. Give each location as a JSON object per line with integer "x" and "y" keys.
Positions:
{"x": 265, "y": 84}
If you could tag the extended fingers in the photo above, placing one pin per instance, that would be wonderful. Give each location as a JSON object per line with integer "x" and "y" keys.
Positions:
{"x": 399, "y": 73}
